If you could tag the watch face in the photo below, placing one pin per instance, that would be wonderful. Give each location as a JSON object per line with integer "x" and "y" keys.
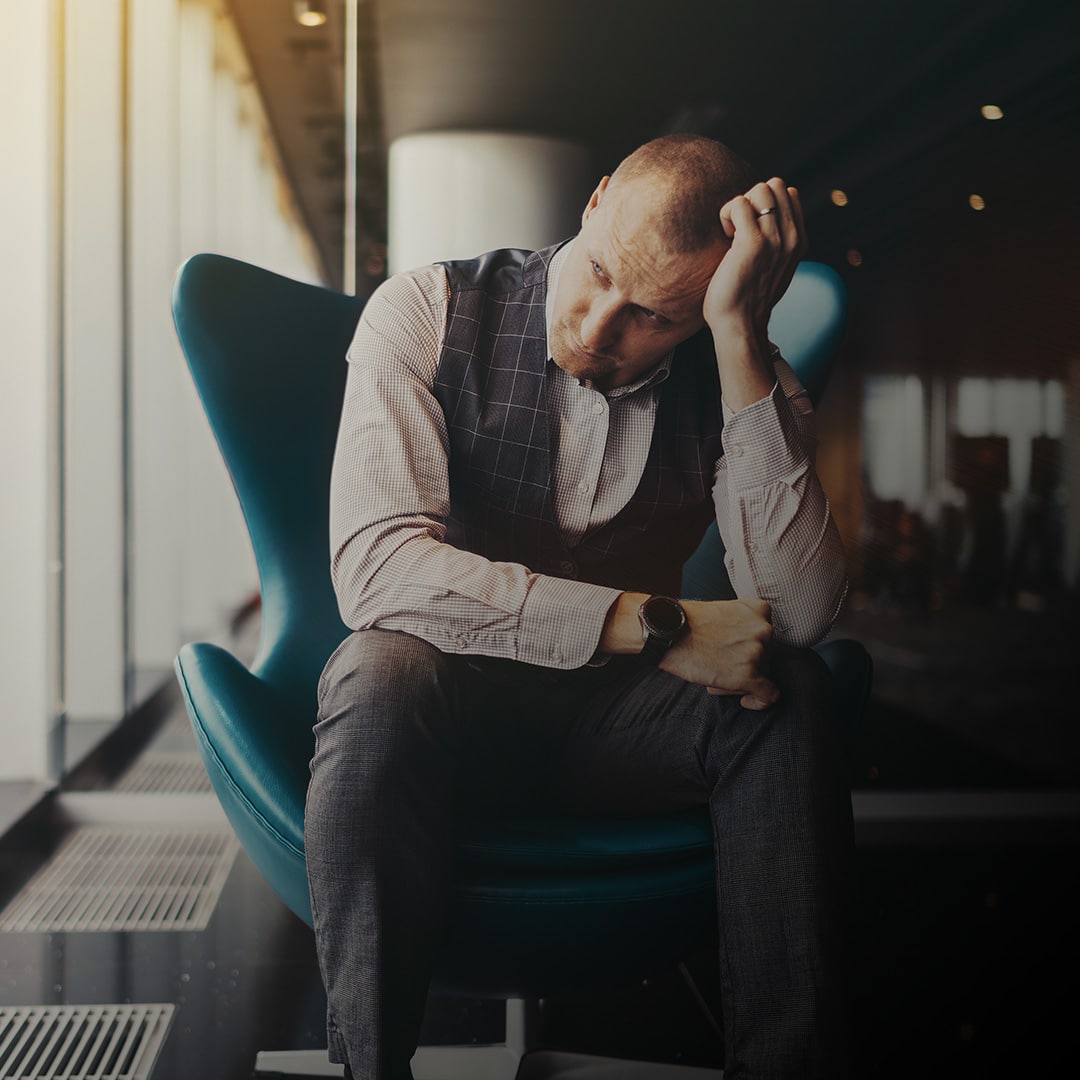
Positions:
{"x": 664, "y": 616}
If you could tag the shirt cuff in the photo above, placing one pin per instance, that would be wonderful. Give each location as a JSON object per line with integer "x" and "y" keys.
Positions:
{"x": 562, "y": 620}
{"x": 761, "y": 443}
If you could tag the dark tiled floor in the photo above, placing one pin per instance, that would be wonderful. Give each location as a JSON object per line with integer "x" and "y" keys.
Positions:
{"x": 966, "y": 956}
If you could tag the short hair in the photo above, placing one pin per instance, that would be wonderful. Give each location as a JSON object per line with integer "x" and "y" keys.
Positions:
{"x": 695, "y": 176}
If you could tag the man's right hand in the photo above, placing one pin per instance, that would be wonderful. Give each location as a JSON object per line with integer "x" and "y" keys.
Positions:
{"x": 724, "y": 650}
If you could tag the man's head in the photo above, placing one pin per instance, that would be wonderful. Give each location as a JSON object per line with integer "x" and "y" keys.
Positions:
{"x": 632, "y": 286}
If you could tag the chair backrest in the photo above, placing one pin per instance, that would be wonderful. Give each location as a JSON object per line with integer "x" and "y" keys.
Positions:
{"x": 808, "y": 322}
{"x": 267, "y": 355}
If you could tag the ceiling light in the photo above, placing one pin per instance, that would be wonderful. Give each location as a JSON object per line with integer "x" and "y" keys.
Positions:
{"x": 310, "y": 12}
{"x": 991, "y": 112}
{"x": 976, "y": 202}
{"x": 839, "y": 198}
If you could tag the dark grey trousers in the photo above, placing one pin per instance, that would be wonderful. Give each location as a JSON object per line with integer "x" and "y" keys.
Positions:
{"x": 404, "y": 732}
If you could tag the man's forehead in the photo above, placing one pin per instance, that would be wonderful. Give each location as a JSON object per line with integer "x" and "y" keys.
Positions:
{"x": 632, "y": 247}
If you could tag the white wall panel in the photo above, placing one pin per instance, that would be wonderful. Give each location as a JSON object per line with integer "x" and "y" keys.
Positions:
{"x": 94, "y": 656}
{"x": 29, "y": 268}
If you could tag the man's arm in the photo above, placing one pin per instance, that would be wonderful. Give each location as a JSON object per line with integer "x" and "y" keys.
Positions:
{"x": 390, "y": 497}
{"x": 783, "y": 552}
{"x": 780, "y": 538}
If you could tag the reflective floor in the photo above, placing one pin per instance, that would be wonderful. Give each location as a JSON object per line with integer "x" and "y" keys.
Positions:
{"x": 965, "y": 958}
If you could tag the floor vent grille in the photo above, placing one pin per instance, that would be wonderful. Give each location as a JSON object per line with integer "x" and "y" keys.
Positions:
{"x": 81, "y": 1042}
{"x": 171, "y": 773}
{"x": 125, "y": 879}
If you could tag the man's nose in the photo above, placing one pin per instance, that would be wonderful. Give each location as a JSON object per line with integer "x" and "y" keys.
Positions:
{"x": 599, "y": 328}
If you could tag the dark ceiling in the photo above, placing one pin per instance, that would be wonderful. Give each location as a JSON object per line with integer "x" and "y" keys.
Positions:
{"x": 879, "y": 98}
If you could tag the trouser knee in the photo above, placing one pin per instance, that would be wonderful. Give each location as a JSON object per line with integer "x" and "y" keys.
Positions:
{"x": 386, "y": 736}
{"x": 799, "y": 730}
{"x": 378, "y": 683}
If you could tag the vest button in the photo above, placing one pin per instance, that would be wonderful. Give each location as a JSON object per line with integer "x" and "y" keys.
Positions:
{"x": 567, "y": 567}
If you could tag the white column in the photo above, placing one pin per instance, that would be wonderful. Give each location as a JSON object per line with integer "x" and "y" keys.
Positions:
{"x": 155, "y": 466}
{"x": 29, "y": 367}
{"x": 457, "y": 194}
{"x": 94, "y": 656}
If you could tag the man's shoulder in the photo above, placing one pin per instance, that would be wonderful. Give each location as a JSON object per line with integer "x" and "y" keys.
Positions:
{"x": 501, "y": 271}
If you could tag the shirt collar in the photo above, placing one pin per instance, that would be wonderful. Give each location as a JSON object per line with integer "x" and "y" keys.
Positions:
{"x": 653, "y": 377}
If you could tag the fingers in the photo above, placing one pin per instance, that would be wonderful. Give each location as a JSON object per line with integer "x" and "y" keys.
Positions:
{"x": 770, "y": 208}
{"x": 754, "y": 689}
{"x": 763, "y": 694}
{"x": 779, "y": 213}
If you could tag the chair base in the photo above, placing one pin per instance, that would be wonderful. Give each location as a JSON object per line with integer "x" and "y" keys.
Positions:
{"x": 491, "y": 1063}
{"x": 513, "y": 1059}
{"x": 550, "y": 1064}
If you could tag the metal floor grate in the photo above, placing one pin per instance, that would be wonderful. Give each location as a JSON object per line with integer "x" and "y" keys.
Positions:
{"x": 124, "y": 879}
{"x": 165, "y": 773}
{"x": 81, "y": 1042}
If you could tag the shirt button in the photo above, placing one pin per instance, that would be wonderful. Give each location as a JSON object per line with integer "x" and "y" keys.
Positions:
{"x": 751, "y": 547}
{"x": 598, "y": 408}
{"x": 462, "y": 641}
{"x": 736, "y": 451}
{"x": 584, "y": 488}
{"x": 557, "y": 656}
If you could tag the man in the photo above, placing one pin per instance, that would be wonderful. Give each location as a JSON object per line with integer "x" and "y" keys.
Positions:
{"x": 531, "y": 445}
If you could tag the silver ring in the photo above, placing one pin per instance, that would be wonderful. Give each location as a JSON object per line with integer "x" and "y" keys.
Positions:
{"x": 766, "y": 212}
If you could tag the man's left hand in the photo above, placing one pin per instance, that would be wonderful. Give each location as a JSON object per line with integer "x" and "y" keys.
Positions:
{"x": 768, "y": 238}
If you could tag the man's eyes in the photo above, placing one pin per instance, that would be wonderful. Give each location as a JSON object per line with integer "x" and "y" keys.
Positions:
{"x": 647, "y": 313}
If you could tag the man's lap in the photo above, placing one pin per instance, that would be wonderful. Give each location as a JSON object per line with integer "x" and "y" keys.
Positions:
{"x": 622, "y": 739}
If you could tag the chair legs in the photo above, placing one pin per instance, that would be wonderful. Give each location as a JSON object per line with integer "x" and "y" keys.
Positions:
{"x": 511, "y": 1060}
{"x": 296, "y": 1063}
{"x": 428, "y": 1063}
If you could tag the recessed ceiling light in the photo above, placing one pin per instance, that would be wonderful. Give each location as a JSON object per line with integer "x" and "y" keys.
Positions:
{"x": 839, "y": 198}
{"x": 991, "y": 112}
{"x": 310, "y": 12}
{"x": 976, "y": 202}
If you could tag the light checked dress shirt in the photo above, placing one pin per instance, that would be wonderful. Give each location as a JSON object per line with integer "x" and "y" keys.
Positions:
{"x": 390, "y": 497}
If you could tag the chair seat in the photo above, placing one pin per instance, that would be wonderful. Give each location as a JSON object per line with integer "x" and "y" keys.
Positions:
{"x": 599, "y": 844}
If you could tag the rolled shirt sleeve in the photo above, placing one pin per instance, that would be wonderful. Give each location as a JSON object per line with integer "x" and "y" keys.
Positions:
{"x": 390, "y": 498}
{"x": 781, "y": 542}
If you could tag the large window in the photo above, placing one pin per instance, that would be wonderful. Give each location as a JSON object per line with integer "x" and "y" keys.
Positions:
{"x": 139, "y": 140}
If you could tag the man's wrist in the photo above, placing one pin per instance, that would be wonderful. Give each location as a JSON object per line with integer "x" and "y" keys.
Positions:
{"x": 744, "y": 360}
{"x": 622, "y": 630}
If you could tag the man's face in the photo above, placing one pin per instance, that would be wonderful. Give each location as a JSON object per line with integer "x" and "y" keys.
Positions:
{"x": 624, "y": 299}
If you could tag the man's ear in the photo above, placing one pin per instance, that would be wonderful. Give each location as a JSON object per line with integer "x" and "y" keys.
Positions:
{"x": 594, "y": 202}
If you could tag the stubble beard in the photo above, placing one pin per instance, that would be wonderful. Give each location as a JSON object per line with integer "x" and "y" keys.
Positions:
{"x": 566, "y": 354}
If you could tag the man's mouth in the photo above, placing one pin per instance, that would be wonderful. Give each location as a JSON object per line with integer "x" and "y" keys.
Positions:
{"x": 596, "y": 358}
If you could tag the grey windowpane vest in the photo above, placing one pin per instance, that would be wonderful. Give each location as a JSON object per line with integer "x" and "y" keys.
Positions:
{"x": 491, "y": 384}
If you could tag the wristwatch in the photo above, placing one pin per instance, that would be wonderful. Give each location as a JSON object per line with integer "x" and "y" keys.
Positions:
{"x": 663, "y": 622}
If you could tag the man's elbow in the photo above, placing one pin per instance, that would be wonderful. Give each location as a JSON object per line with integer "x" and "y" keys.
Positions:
{"x": 353, "y": 593}
{"x": 814, "y": 622}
